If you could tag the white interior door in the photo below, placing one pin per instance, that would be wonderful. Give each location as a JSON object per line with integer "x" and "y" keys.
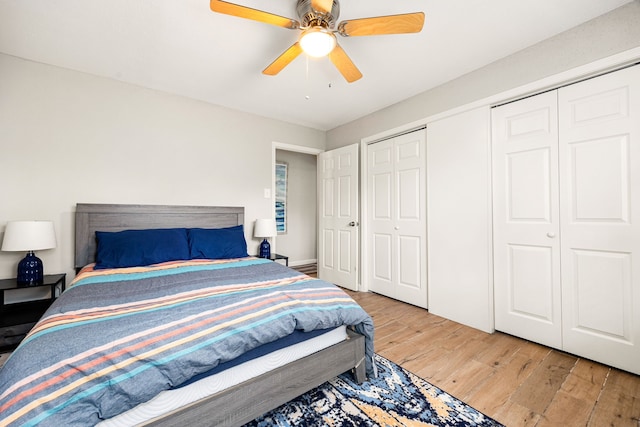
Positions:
{"x": 338, "y": 234}
{"x": 527, "y": 286}
{"x": 397, "y": 218}
{"x": 600, "y": 205}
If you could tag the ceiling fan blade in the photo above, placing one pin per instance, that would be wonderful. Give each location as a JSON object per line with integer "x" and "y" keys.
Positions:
{"x": 392, "y": 24}
{"x": 322, "y": 6}
{"x": 344, "y": 64}
{"x": 254, "y": 14}
{"x": 283, "y": 60}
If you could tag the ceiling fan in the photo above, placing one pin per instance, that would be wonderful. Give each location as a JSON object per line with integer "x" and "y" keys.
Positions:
{"x": 317, "y": 20}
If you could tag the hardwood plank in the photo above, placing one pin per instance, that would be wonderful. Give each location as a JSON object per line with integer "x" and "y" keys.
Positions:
{"x": 513, "y": 414}
{"x": 619, "y": 402}
{"x": 466, "y": 379}
{"x": 566, "y": 410}
{"x": 407, "y": 356}
{"x": 392, "y": 333}
{"x": 538, "y": 390}
{"x": 497, "y": 390}
{"x": 461, "y": 337}
{"x": 499, "y": 350}
{"x": 586, "y": 380}
{"x": 453, "y": 360}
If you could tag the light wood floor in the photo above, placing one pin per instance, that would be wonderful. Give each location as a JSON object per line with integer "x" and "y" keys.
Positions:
{"x": 516, "y": 382}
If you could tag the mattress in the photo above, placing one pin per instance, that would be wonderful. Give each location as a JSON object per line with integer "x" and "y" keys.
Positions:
{"x": 171, "y": 400}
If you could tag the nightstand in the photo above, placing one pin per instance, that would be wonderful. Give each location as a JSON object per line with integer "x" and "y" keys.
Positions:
{"x": 276, "y": 257}
{"x": 22, "y": 306}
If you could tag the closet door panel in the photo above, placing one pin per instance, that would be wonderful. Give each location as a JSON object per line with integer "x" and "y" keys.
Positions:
{"x": 409, "y": 194}
{"x": 528, "y": 179}
{"x": 600, "y": 196}
{"x": 329, "y": 258}
{"x": 382, "y": 267}
{"x": 327, "y": 208}
{"x": 530, "y": 282}
{"x": 409, "y": 255}
{"x": 596, "y": 309}
{"x": 526, "y": 219}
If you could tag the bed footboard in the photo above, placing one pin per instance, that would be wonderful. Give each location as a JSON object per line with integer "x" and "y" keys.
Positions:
{"x": 247, "y": 401}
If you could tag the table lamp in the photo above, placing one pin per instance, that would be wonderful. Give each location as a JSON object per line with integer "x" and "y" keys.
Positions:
{"x": 29, "y": 236}
{"x": 265, "y": 228}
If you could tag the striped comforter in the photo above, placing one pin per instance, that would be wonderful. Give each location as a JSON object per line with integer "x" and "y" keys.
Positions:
{"x": 116, "y": 338}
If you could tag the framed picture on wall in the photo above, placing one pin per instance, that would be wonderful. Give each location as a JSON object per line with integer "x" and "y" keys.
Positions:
{"x": 281, "y": 197}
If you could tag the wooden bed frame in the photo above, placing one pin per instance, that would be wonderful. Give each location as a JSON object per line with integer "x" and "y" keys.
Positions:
{"x": 250, "y": 399}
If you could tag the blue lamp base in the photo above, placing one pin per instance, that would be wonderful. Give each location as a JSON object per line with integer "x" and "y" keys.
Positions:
{"x": 30, "y": 270}
{"x": 265, "y": 249}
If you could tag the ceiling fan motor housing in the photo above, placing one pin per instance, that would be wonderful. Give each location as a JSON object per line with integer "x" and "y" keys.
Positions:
{"x": 311, "y": 17}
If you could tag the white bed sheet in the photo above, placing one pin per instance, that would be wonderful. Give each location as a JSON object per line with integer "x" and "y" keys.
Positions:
{"x": 171, "y": 400}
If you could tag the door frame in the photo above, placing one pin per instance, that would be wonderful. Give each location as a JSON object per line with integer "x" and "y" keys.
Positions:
{"x": 293, "y": 148}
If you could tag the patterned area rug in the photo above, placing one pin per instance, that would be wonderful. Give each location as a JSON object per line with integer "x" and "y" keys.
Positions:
{"x": 396, "y": 398}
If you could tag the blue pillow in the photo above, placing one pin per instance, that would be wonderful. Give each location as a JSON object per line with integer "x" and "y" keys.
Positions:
{"x": 131, "y": 248}
{"x": 217, "y": 243}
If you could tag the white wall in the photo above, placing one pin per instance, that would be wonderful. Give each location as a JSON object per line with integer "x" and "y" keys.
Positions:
{"x": 300, "y": 243}
{"x": 69, "y": 137}
{"x": 612, "y": 33}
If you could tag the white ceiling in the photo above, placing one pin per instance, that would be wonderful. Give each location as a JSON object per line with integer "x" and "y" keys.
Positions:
{"x": 182, "y": 47}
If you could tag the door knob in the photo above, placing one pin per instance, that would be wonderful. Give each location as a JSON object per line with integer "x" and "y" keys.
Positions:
{"x": 551, "y": 235}
{"x": 353, "y": 224}
{"x": 396, "y": 228}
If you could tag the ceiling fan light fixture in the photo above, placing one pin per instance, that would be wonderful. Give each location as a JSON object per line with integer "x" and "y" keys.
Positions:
{"x": 317, "y": 41}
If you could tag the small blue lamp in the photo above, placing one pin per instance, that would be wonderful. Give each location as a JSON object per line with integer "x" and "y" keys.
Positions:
{"x": 265, "y": 228}
{"x": 29, "y": 236}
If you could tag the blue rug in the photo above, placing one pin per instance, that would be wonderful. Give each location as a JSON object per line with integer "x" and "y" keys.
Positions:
{"x": 396, "y": 398}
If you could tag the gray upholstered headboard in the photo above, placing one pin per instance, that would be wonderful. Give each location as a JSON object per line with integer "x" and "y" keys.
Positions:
{"x": 99, "y": 217}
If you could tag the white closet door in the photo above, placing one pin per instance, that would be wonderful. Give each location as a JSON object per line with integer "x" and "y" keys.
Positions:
{"x": 459, "y": 213}
{"x": 397, "y": 218}
{"x": 526, "y": 224}
{"x": 600, "y": 196}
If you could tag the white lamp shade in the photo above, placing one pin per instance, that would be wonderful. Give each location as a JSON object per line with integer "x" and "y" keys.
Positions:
{"x": 265, "y": 228}
{"x": 317, "y": 41}
{"x": 29, "y": 236}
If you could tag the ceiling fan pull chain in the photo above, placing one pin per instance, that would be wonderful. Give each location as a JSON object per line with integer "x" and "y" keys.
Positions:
{"x": 307, "y": 96}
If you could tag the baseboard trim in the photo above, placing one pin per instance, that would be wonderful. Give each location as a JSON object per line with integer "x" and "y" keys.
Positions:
{"x": 302, "y": 262}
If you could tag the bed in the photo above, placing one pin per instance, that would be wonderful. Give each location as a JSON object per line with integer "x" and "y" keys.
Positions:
{"x": 48, "y": 353}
